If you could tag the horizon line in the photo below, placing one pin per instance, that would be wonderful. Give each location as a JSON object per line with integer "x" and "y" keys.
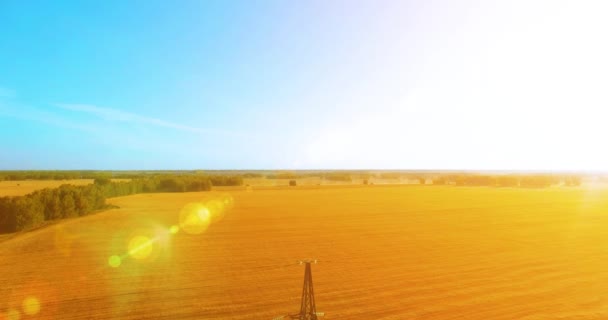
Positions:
{"x": 326, "y": 170}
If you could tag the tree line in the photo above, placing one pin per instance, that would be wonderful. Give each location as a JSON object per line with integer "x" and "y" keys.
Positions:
{"x": 67, "y": 201}
{"x": 514, "y": 180}
{"x": 92, "y": 174}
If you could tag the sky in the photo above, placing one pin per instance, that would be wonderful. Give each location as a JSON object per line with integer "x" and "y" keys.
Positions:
{"x": 473, "y": 85}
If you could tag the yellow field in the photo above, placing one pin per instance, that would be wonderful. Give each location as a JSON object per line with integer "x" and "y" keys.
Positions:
{"x": 23, "y": 187}
{"x": 386, "y": 252}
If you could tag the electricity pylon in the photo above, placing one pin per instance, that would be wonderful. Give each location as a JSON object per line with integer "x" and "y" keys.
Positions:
{"x": 308, "y": 309}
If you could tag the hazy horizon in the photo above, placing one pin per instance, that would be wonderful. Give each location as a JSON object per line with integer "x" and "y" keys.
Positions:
{"x": 496, "y": 85}
{"x": 327, "y": 170}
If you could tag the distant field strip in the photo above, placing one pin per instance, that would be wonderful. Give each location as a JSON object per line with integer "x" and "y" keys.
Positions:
{"x": 23, "y": 187}
{"x": 390, "y": 252}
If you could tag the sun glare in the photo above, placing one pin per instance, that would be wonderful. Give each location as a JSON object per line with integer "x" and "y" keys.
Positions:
{"x": 145, "y": 244}
{"x": 140, "y": 247}
{"x": 195, "y": 217}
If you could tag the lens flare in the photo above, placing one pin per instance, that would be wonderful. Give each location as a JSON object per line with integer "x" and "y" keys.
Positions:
{"x": 228, "y": 201}
{"x": 174, "y": 229}
{"x": 31, "y": 306}
{"x": 114, "y": 261}
{"x": 216, "y": 209}
{"x": 162, "y": 236}
{"x": 203, "y": 213}
{"x": 29, "y": 300}
{"x": 194, "y": 218}
{"x": 140, "y": 247}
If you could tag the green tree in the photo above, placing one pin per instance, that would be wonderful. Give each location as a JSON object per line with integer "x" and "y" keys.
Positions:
{"x": 68, "y": 206}
{"x": 27, "y": 213}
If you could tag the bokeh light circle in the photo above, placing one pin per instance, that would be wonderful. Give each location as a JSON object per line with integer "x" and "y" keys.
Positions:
{"x": 31, "y": 306}
{"x": 228, "y": 201}
{"x": 114, "y": 261}
{"x": 194, "y": 218}
{"x": 30, "y": 299}
{"x": 216, "y": 209}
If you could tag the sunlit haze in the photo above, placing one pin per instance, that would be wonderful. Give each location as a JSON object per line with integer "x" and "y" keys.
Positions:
{"x": 512, "y": 85}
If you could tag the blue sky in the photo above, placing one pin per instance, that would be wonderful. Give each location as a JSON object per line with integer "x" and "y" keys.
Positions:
{"x": 302, "y": 85}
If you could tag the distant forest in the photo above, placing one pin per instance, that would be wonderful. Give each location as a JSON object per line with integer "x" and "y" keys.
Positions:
{"x": 92, "y": 174}
{"x": 508, "y": 180}
{"x": 67, "y": 201}
{"x": 528, "y": 180}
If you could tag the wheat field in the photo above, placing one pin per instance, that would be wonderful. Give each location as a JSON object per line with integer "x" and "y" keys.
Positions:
{"x": 23, "y": 187}
{"x": 385, "y": 252}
